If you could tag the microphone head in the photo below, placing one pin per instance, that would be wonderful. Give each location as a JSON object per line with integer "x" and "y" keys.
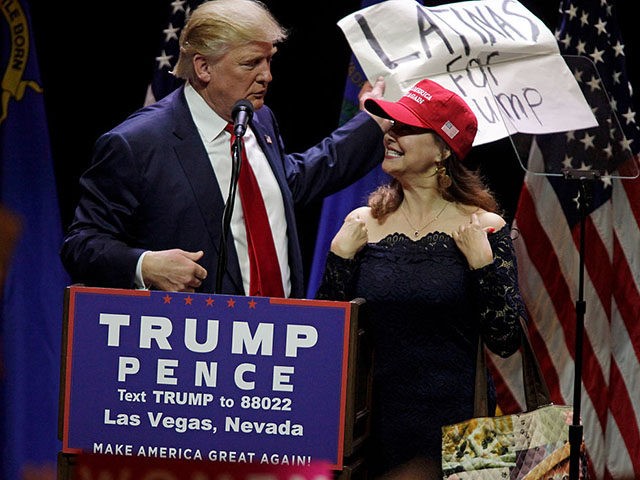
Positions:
{"x": 242, "y": 105}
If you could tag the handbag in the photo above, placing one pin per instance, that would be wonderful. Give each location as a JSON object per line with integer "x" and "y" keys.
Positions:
{"x": 531, "y": 445}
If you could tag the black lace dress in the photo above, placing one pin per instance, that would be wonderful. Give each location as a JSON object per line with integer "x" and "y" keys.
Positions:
{"x": 426, "y": 309}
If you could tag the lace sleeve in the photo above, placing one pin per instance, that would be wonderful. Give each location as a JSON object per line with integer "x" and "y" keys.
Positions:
{"x": 498, "y": 297}
{"x": 337, "y": 278}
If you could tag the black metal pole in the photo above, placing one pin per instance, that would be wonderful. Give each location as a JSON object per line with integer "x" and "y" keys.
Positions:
{"x": 575, "y": 429}
{"x": 228, "y": 211}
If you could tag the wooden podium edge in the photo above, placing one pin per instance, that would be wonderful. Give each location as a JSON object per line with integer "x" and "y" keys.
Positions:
{"x": 63, "y": 362}
{"x": 359, "y": 376}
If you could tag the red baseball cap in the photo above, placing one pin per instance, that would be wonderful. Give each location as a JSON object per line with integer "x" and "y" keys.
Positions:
{"x": 430, "y": 105}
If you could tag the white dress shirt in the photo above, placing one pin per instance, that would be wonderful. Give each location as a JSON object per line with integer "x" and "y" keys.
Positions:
{"x": 217, "y": 143}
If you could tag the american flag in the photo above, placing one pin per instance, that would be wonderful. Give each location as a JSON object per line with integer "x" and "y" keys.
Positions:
{"x": 163, "y": 82}
{"x": 548, "y": 248}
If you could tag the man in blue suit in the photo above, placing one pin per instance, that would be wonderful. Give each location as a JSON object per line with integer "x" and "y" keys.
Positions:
{"x": 152, "y": 200}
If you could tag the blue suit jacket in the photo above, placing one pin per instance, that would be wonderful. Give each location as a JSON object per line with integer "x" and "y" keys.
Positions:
{"x": 151, "y": 186}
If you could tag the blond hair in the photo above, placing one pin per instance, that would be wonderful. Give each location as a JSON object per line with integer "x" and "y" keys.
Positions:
{"x": 216, "y": 26}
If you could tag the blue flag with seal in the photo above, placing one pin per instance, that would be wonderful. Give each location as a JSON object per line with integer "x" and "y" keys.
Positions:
{"x": 33, "y": 279}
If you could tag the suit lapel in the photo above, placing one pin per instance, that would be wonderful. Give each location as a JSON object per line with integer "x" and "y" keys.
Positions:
{"x": 269, "y": 139}
{"x": 197, "y": 168}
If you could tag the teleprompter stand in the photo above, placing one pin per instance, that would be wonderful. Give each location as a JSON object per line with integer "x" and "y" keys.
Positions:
{"x": 585, "y": 180}
{"x": 578, "y": 164}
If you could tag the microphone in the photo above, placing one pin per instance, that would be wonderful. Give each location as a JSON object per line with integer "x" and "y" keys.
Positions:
{"x": 241, "y": 112}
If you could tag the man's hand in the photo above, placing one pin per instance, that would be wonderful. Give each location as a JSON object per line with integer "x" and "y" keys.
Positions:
{"x": 173, "y": 270}
{"x": 374, "y": 91}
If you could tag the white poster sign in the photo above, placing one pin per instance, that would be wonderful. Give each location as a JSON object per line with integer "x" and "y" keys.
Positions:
{"x": 495, "y": 54}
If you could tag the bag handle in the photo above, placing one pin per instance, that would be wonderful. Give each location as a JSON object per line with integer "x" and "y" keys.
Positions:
{"x": 536, "y": 392}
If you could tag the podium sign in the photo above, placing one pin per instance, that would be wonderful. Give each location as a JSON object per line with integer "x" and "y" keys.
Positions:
{"x": 202, "y": 376}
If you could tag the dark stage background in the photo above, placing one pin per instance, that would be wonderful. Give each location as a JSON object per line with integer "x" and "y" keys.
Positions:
{"x": 97, "y": 58}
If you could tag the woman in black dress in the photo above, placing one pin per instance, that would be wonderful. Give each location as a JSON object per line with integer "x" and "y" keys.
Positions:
{"x": 435, "y": 263}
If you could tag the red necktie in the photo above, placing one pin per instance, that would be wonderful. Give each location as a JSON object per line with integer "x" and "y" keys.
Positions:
{"x": 265, "y": 279}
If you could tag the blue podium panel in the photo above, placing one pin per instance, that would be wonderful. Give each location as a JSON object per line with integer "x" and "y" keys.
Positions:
{"x": 200, "y": 376}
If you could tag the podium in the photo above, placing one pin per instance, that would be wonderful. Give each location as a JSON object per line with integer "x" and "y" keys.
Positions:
{"x": 214, "y": 377}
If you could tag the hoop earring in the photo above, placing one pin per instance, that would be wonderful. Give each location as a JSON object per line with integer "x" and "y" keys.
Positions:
{"x": 444, "y": 180}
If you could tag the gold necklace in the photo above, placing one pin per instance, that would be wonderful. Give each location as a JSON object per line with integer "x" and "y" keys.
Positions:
{"x": 416, "y": 231}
